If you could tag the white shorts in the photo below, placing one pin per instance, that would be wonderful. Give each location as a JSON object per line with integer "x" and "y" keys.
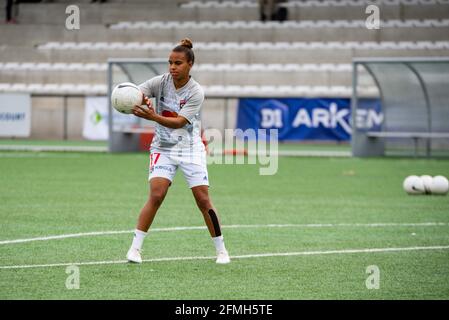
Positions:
{"x": 165, "y": 164}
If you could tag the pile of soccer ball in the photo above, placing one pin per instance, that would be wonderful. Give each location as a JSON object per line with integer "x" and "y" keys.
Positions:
{"x": 426, "y": 185}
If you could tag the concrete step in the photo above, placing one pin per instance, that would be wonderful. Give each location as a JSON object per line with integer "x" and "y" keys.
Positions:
{"x": 304, "y": 3}
{"x": 213, "y": 91}
{"x": 39, "y": 34}
{"x": 25, "y": 54}
{"x": 323, "y": 78}
{"x": 115, "y": 12}
{"x": 45, "y": 77}
{"x": 274, "y": 78}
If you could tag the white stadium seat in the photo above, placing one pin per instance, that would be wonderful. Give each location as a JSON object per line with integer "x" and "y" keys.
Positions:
{"x": 60, "y": 89}
{"x": 29, "y": 66}
{"x": 273, "y": 67}
{"x": 440, "y": 45}
{"x": 211, "y": 91}
{"x": 245, "y": 45}
{"x": 307, "y": 3}
{"x": 43, "y": 66}
{"x": 274, "y": 24}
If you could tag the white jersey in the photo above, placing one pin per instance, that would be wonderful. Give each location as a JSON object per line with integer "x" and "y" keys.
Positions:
{"x": 170, "y": 102}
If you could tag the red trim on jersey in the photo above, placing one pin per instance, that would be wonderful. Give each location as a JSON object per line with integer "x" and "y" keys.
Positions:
{"x": 169, "y": 114}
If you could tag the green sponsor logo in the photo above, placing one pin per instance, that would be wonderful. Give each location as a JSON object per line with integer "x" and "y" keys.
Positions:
{"x": 96, "y": 117}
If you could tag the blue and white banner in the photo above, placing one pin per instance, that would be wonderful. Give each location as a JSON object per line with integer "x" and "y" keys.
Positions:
{"x": 308, "y": 119}
{"x": 15, "y": 115}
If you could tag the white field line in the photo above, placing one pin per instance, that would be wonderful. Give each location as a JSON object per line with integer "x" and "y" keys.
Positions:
{"x": 247, "y": 256}
{"x": 316, "y": 225}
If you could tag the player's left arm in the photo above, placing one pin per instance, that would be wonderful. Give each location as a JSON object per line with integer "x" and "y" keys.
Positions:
{"x": 192, "y": 108}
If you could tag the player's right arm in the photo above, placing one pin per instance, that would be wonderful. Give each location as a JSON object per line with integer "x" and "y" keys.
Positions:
{"x": 150, "y": 88}
{"x": 149, "y": 113}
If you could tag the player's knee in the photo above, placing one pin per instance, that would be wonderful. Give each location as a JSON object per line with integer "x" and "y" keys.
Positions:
{"x": 157, "y": 196}
{"x": 204, "y": 203}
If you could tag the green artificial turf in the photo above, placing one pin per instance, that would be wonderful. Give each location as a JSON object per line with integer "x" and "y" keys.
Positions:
{"x": 322, "y": 205}
{"x": 71, "y": 143}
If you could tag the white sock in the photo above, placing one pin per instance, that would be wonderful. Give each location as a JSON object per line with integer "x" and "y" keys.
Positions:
{"x": 219, "y": 243}
{"x": 139, "y": 236}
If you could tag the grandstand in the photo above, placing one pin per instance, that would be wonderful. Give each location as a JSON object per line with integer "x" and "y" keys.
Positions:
{"x": 309, "y": 55}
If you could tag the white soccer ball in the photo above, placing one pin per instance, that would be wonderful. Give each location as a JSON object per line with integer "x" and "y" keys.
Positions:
{"x": 427, "y": 181}
{"x": 440, "y": 185}
{"x": 413, "y": 185}
{"x": 125, "y": 96}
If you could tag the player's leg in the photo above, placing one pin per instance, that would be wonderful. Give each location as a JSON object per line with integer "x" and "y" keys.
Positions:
{"x": 162, "y": 172}
{"x": 202, "y": 198}
{"x": 194, "y": 168}
{"x": 158, "y": 189}
{"x": 204, "y": 203}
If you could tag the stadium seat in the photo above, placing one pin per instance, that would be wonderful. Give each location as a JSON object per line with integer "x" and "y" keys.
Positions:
{"x": 241, "y": 46}
{"x": 215, "y": 90}
{"x": 225, "y": 25}
{"x": 309, "y": 3}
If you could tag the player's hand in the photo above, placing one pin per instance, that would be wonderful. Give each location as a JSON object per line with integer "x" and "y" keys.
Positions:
{"x": 147, "y": 101}
{"x": 145, "y": 111}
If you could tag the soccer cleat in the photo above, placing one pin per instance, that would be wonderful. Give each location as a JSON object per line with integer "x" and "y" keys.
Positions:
{"x": 223, "y": 257}
{"x": 134, "y": 256}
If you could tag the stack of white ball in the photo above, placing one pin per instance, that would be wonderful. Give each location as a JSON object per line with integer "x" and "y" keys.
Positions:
{"x": 426, "y": 185}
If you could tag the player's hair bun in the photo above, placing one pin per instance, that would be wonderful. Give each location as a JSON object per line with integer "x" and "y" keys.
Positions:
{"x": 186, "y": 42}
{"x": 185, "y": 46}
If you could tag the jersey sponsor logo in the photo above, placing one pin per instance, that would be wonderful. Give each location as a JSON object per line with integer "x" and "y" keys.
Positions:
{"x": 162, "y": 167}
{"x": 182, "y": 102}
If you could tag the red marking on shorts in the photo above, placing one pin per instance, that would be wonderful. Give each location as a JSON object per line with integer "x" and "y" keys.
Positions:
{"x": 154, "y": 161}
{"x": 157, "y": 157}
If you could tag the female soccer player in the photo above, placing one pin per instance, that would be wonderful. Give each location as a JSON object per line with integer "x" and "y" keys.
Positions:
{"x": 176, "y": 144}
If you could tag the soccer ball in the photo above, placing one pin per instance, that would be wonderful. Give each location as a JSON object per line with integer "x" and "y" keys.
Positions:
{"x": 125, "y": 96}
{"x": 413, "y": 185}
{"x": 427, "y": 181}
{"x": 440, "y": 185}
